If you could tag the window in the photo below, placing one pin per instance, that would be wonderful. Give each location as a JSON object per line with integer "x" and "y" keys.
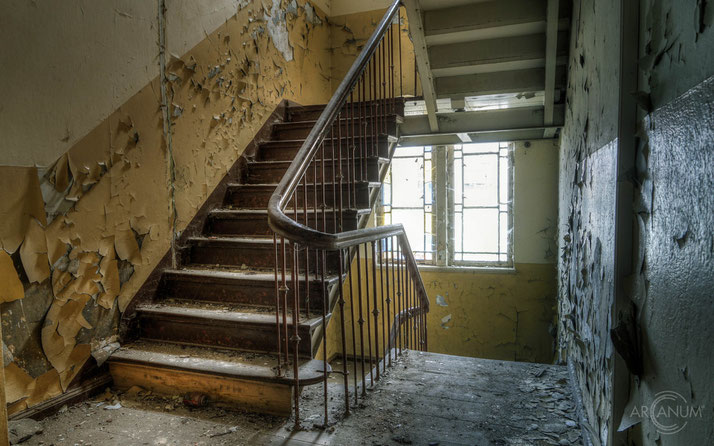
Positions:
{"x": 455, "y": 202}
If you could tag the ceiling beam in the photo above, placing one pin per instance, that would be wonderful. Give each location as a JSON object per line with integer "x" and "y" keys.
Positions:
{"x": 481, "y": 121}
{"x": 484, "y": 56}
{"x": 483, "y": 15}
{"x": 416, "y": 30}
{"x": 474, "y": 137}
{"x": 551, "y": 49}
{"x": 517, "y": 81}
{"x": 428, "y": 5}
{"x": 520, "y": 29}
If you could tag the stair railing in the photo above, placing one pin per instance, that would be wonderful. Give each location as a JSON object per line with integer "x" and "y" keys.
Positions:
{"x": 339, "y": 154}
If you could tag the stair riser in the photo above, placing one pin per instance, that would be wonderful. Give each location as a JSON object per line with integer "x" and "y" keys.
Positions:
{"x": 249, "y": 225}
{"x": 262, "y": 174}
{"x": 241, "y": 292}
{"x": 288, "y": 152}
{"x": 300, "y": 130}
{"x": 255, "y": 396}
{"x": 251, "y": 198}
{"x": 220, "y": 334}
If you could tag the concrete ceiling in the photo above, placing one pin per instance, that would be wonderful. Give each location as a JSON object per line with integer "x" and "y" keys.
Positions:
{"x": 469, "y": 48}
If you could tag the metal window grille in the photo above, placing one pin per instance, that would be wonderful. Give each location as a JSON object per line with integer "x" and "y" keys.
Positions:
{"x": 408, "y": 198}
{"x": 479, "y": 191}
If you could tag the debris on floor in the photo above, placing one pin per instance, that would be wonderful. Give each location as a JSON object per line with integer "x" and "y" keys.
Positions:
{"x": 22, "y": 430}
{"x": 424, "y": 399}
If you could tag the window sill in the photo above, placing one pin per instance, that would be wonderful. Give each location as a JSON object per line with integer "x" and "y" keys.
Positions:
{"x": 468, "y": 269}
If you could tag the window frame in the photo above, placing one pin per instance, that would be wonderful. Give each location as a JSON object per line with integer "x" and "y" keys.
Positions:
{"x": 443, "y": 209}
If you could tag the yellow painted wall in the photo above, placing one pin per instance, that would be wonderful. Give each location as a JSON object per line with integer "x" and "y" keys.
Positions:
{"x": 81, "y": 236}
{"x": 499, "y": 315}
{"x": 349, "y": 34}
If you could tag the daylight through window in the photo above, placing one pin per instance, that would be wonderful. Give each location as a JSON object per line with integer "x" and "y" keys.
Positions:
{"x": 455, "y": 202}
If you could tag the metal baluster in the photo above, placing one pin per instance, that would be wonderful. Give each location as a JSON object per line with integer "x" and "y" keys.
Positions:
{"x": 375, "y": 311}
{"x": 360, "y": 321}
{"x": 401, "y": 76}
{"x": 335, "y": 178}
{"x": 391, "y": 69}
{"x": 369, "y": 324}
{"x": 341, "y": 303}
{"x": 381, "y": 282}
{"x": 277, "y": 304}
{"x": 284, "y": 289}
{"x": 383, "y": 76}
{"x": 296, "y": 337}
{"x": 400, "y": 303}
{"x": 353, "y": 146}
{"x": 325, "y": 303}
{"x": 392, "y": 296}
{"x": 307, "y": 251}
{"x": 352, "y": 321}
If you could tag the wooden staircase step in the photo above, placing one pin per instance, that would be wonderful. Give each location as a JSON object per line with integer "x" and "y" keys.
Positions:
{"x": 229, "y": 287}
{"x": 312, "y": 112}
{"x": 254, "y": 222}
{"x": 239, "y": 328}
{"x": 267, "y": 172}
{"x": 287, "y": 149}
{"x": 246, "y": 380}
{"x": 257, "y": 196}
{"x": 300, "y": 129}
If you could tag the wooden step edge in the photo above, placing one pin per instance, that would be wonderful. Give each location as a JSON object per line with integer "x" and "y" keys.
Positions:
{"x": 227, "y": 213}
{"x": 275, "y": 185}
{"x": 262, "y": 276}
{"x": 368, "y": 118}
{"x": 277, "y": 163}
{"x": 234, "y": 241}
{"x": 217, "y": 315}
{"x": 297, "y": 143}
{"x": 310, "y": 372}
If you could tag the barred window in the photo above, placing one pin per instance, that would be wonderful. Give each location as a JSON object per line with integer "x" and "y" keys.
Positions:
{"x": 455, "y": 202}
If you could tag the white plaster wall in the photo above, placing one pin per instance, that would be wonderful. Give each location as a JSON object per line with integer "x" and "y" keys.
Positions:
{"x": 64, "y": 73}
{"x": 535, "y": 201}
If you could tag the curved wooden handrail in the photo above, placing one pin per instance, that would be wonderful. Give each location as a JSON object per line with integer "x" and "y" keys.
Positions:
{"x": 292, "y": 230}
{"x": 277, "y": 219}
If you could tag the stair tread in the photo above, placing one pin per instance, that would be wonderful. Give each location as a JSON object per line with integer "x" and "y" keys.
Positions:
{"x": 219, "y": 272}
{"x": 229, "y": 211}
{"x": 215, "y": 361}
{"x": 219, "y": 312}
{"x": 275, "y": 185}
{"x": 269, "y": 163}
{"x": 313, "y": 122}
{"x": 232, "y": 240}
{"x": 300, "y": 141}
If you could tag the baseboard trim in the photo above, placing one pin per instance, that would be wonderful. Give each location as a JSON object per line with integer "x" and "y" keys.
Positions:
{"x": 80, "y": 393}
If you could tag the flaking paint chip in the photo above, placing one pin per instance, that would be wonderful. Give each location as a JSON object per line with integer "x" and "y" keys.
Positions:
{"x": 33, "y": 253}
{"x": 11, "y": 288}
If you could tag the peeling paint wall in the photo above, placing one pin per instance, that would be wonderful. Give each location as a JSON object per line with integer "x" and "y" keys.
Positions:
{"x": 587, "y": 208}
{"x": 672, "y": 272}
{"x": 673, "y": 290}
{"x": 350, "y": 32}
{"x": 80, "y": 237}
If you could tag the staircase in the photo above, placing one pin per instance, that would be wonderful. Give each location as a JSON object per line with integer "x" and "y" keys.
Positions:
{"x": 242, "y": 317}
{"x": 211, "y": 325}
